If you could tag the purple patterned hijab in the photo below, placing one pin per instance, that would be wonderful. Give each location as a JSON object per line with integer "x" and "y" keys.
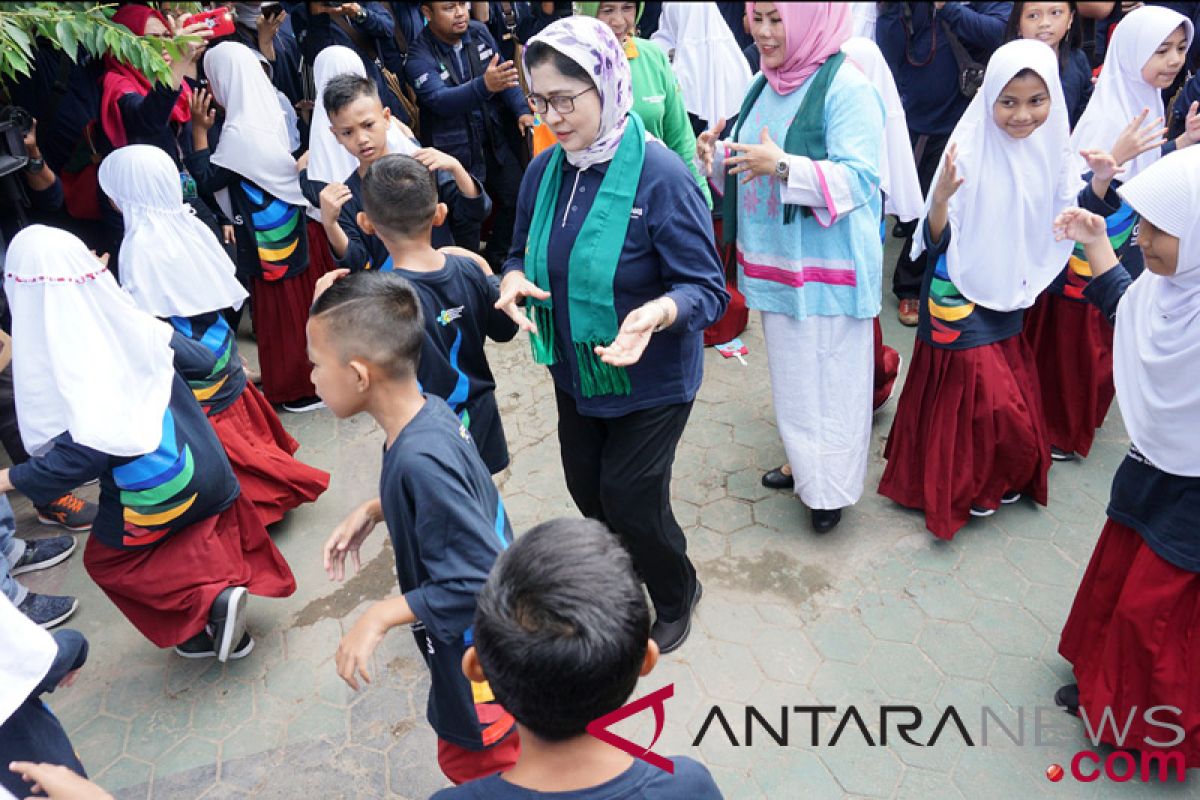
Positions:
{"x": 592, "y": 45}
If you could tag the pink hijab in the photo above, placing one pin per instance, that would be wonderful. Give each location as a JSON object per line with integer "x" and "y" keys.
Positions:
{"x": 815, "y": 31}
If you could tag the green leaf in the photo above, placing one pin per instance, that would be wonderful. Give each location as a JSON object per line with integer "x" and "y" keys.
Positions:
{"x": 66, "y": 37}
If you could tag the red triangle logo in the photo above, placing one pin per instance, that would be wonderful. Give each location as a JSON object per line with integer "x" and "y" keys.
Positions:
{"x": 656, "y": 700}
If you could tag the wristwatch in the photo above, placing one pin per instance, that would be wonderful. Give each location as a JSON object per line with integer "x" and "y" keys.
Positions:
{"x": 782, "y": 169}
{"x": 361, "y": 16}
{"x": 35, "y": 165}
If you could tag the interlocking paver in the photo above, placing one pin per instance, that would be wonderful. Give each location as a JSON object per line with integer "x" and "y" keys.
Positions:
{"x": 876, "y": 612}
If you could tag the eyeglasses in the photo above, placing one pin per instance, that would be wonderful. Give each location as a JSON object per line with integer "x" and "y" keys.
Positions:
{"x": 561, "y": 103}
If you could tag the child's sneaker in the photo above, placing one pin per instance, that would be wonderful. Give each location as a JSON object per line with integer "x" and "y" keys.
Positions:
{"x": 48, "y": 610}
{"x": 70, "y": 512}
{"x": 202, "y": 646}
{"x": 1010, "y": 497}
{"x": 303, "y": 405}
{"x": 43, "y": 554}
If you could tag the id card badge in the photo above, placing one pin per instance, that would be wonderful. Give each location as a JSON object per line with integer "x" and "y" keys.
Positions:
{"x": 188, "y": 184}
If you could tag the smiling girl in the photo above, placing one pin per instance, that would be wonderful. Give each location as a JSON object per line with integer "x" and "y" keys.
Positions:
{"x": 968, "y": 433}
{"x": 1057, "y": 25}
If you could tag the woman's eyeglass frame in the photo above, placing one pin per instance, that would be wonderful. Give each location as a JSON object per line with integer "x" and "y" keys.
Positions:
{"x": 563, "y": 104}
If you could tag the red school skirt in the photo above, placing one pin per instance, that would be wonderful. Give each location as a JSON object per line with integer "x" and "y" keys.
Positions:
{"x": 260, "y": 452}
{"x": 1072, "y": 346}
{"x": 968, "y": 429}
{"x": 280, "y": 314}
{"x": 1133, "y": 638}
{"x": 166, "y": 590}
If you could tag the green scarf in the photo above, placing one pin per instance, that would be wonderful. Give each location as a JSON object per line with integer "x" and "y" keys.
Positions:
{"x": 805, "y": 137}
{"x": 592, "y": 264}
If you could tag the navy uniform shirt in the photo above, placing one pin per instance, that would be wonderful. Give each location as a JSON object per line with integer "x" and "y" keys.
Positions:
{"x": 218, "y": 381}
{"x": 144, "y": 499}
{"x": 1162, "y": 507}
{"x": 458, "y": 304}
{"x": 448, "y": 525}
{"x": 668, "y": 249}
{"x": 1076, "y": 83}
{"x": 691, "y": 781}
{"x": 947, "y": 319}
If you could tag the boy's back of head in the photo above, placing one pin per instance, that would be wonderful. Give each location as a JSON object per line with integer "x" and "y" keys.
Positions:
{"x": 562, "y": 627}
{"x": 376, "y": 317}
{"x": 342, "y": 90}
{"x": 399, "y": 196}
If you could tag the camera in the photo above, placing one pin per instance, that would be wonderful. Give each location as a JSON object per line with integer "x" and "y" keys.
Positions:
{"x": 15, "y": 122}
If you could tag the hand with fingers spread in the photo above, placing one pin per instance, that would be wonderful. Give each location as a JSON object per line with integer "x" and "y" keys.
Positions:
{"x": 706, "y": 145}
{"x": 948, "y": 180}
{"x": 347, "y": 539}
{"x": 515, "y": 287}
{"x": 635, "y": 332}
{"x": 498, "y": 77}
{"x": 755, "y": 160}
{"x": 1080, "y": 225}
{"x": 1139, "y": 137}
{"x": 204, "y": 116}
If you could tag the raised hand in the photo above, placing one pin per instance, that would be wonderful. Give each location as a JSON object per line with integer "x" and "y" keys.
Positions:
{"x": 1138, "y": 137}
{"x": 1191, "y": 127}
{"x": 948, "y": 180}
{"x": 498, "y": 77}
{"x": 333, "y": 197}
{"x": 203, "y": 113}
{"x": 1080, "y": 225}
{"x": 1103, "y": 165}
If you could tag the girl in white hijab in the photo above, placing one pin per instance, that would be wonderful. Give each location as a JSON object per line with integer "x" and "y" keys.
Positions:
{"x": 256, "y": 180}
{"x": 175, "y": 545}
{"x": 968, "y": 433}
{"x": 1134, "y": 629}
{"x": 1119, "y": 135}
{"x": 173, "y": 267}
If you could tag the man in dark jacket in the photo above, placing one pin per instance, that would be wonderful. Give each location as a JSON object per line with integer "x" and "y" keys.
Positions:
{"x": 916, "y": 41}
{"x": 471, "y": 107}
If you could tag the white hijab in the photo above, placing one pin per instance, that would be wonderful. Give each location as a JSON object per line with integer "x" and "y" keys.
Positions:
{"x": 1156, "y": 347}
{"x": 85, "y": 358}
{"x": 1121, "y": 93}
{"x": 254, "y": 139}
{"x": 897, "y": 169}
{"x": 26, "y": 653}
{"x": 328, "y": 161}
{"x": 713, "y": 74}
{"x": 1002, "y": 250}
{"x": 171, "y": 263}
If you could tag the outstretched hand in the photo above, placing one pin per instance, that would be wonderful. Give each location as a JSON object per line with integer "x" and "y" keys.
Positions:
{"x": 515, "y": 287}
{"x": 1080, "y": 225}
{"x": 755, "y": 160}
{"x": 706, "y": 144}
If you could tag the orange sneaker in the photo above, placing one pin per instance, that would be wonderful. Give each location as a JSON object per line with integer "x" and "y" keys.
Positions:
{"x": 70, "y": 512}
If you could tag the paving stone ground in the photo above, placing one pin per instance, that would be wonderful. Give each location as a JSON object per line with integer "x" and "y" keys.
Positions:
{"x": 876, "y": 613}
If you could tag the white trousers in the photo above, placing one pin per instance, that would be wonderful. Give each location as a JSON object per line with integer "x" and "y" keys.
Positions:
{"x": 822, "y": 371}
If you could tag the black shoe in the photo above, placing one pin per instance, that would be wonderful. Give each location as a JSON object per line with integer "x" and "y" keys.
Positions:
{"x": 228, "y": 619}
{"x": 303, "y": 405}
{"x": 778, "y": 479}
{"x": 823, "y": 520}
{"x": 1010, "y": 497}
{"x": 1062, "y": 455}
{"x": 201, "y": 646}
{"x": 1068, "y": 697}
{"x": 902, "y": 230}
{"x": 670, "y": 635}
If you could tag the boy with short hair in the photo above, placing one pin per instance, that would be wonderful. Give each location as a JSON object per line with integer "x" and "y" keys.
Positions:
{"x": 458, "y": 298}
{"x": 361, "y": 124}
{"x": 445, "y": 518}
{"x": 559, "y": 653}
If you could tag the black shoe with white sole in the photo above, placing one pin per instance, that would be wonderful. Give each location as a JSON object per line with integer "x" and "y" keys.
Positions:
{"x": 202, "y": 646}
{"x": 228, "y": 620}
